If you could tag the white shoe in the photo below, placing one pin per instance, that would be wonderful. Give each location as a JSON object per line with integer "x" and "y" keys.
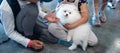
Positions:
{"x": 110, "y": 5}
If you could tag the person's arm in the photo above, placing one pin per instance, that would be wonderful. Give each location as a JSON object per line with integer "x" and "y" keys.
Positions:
{"x": 9, "y": 27}
{"x": 84, "y": 17}
{"x": 8, "y": 24}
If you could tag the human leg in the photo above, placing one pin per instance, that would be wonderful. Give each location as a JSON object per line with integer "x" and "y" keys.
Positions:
{"x": 91, "y": 8}
{"x": 57, "y": 31}
{"x": 60, "y": 33}
{"x": 92, "y": 39}
{"x": 96, "y": 20}
{"x": 102, "y": 15}
{"x": 29, "y": 19}
{"x": 42, "y": 33}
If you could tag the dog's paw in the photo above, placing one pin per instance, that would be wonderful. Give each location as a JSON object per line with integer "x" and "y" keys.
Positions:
{"x": 68, "y": 38}
{"x": 71, "y": 48}
{"x": 84, "y": 49}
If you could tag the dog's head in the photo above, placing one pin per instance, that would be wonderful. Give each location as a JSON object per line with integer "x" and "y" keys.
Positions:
{"x": 67, "y": 11}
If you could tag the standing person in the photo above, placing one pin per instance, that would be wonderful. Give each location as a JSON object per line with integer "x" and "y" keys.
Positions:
{"x": 100, "y": 16}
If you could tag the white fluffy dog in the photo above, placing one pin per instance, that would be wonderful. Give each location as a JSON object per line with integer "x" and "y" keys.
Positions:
{"x": 68, "y": 13}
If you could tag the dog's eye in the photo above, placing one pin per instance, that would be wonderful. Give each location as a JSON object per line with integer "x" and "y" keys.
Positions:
{"x": 65, "y": 11}
{"x": 69, "y": 12}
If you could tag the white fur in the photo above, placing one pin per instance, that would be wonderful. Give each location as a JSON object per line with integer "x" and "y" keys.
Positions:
{"x": 78, "y": 35}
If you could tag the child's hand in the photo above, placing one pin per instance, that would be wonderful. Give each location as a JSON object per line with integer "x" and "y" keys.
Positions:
{"x": 51, "y": 18}
{"x": 69, "y": 26}
{"x": 36, "y": 44}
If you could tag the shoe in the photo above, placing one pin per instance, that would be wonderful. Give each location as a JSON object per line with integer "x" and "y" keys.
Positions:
{"x": 96, "y": 21}
{"x": 109, "y": 4}
{"x": 102, "y": 17}
{"x": 64, "y": 43}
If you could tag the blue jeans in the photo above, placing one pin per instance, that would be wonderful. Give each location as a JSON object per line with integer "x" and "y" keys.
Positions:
{"x": 91, "y": 8}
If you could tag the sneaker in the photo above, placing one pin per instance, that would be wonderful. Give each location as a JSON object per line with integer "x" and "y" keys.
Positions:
{"x": 64, "y": 43}
{"x": 102, "y": 17}
{"x": 96, "y": 21}
{"x": 109, "y": 4}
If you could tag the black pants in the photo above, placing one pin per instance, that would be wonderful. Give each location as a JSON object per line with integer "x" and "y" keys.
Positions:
{"x": 28, "y": 25}
{"x": 41, "y": 33}
{"x": 26, "y": 19}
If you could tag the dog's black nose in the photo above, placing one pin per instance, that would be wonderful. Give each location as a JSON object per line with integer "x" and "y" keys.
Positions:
{"x": 66, "y": 15}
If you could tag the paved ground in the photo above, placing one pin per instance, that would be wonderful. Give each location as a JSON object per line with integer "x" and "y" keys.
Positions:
{"x": 108, "y": 35}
